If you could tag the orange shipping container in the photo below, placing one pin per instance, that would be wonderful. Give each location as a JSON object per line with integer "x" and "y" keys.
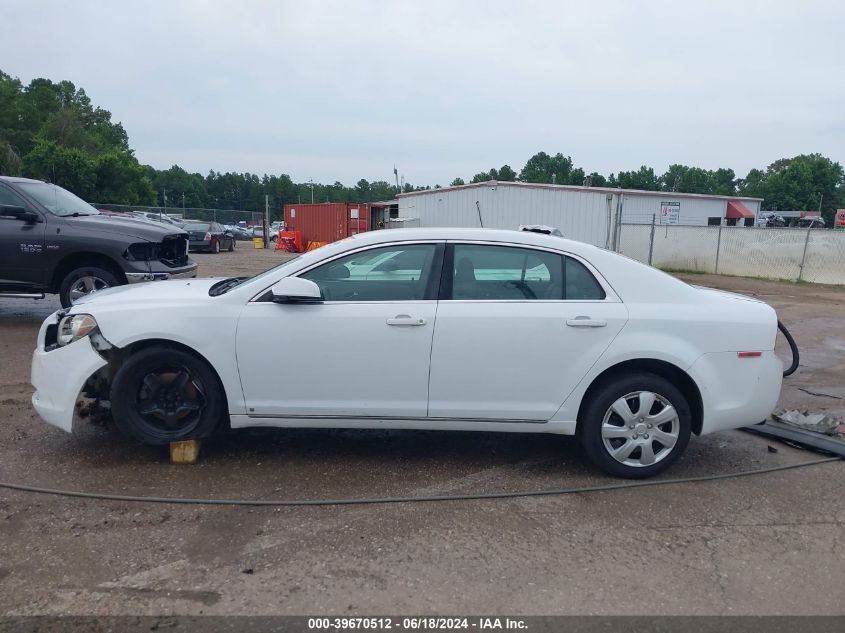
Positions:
{"x": 327, "y": 222}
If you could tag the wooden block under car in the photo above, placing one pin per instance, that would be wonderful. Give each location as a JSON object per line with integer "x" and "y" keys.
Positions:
{"x": 184, "y": 452}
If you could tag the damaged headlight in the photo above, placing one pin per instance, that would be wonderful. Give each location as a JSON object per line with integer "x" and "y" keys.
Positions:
{"x": 141, "y": 252}
{"x": 72, "y": 328}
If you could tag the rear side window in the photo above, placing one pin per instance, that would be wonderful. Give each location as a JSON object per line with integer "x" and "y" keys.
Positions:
{"x": 505, "y": 273}
{"x": 581, "y": 285}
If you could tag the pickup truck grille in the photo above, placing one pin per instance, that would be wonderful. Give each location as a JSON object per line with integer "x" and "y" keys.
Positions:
{"x": 173, "y": 251}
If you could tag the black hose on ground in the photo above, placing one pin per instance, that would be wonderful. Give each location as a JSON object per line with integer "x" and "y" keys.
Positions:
{"x": 104, "y": 496}
{"x": 793, "y": 347}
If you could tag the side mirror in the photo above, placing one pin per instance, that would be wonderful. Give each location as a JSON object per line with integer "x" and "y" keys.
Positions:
{"x": 296, "y": 290}
{"x": 19, "y": 213}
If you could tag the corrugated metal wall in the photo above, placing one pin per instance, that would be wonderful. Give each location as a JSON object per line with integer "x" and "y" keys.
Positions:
{"x": 638, "y": 209}
{"x": 580, "y": 215}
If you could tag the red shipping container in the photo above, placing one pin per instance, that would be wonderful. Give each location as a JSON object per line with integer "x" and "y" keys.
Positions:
{"x": 327, "y": 222}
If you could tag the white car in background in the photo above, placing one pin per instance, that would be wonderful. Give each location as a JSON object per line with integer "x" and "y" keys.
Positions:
{"x": 471, "y": 330}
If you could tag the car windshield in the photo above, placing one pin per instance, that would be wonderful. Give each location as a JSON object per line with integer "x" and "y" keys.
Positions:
{"x": 56, "y": 200}
{"x": 195, "y": 226}
{"x": 224, "y": 286}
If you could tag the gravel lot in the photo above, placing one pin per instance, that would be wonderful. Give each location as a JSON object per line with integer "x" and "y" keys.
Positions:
{"x": 769, "y": 544}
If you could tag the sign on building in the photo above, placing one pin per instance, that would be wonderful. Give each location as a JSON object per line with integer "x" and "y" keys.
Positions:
{"x": 839, "y": 221}
{"x": 670, "y": 212}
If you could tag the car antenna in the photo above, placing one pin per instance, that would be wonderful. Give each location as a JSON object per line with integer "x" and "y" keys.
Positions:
{"x": 478, "y": 206}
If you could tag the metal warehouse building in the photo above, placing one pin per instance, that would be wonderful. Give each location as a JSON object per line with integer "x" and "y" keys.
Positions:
{"x": 588, "y": 214}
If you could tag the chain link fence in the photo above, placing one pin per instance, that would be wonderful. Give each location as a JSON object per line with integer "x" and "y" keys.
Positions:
{"x": 224, "y": 216}
{"x": 812, "y": 255}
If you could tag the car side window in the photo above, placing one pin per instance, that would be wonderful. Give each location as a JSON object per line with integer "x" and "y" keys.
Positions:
{"x": 505, "y": 273}
{"x": 581, "y": 285}
{"x": 10, "y": 198}
{"x": 391, "y": 273}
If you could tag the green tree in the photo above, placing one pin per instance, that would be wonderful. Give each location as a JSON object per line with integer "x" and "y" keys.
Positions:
{"x": 544, "y": 168}
{"x": 121, "y": 180}
{"x": 10, "y": 162}
{"x": 595, "y": 179}
{"x": 723, "y": 182}
{"x": 506, "y": 174}
{"x": 457, "y": 182}
{"x": 67, "y": 167}
{"x": 801, "y": 183}
{"x": 644, "y": 179}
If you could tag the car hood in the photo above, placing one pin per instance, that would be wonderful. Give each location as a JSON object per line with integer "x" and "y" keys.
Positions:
{"x": 140, "y": 229}
{"x": 176, "y": 290}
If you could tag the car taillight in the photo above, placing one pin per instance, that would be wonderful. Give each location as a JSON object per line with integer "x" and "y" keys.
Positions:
{"x": 207, "y": 237}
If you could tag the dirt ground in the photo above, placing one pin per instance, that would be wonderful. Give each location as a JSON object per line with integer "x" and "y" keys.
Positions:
{"x": 768, "y": 544}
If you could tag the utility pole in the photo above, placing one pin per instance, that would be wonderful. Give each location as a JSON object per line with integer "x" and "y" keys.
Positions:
{"x": 266, "y": 223}
{"x": 164, "y": 198}
{"x": 183, "y": 204}
{"x": 312, "y": 190}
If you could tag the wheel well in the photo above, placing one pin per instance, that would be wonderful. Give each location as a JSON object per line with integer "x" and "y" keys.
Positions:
{"x": 670, "y": 372}
{"x": 118, "y": 359}
{"x": 84, "y": 259}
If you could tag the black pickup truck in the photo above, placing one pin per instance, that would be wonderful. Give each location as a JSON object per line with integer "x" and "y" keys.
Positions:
{"x": 53, "y": 242}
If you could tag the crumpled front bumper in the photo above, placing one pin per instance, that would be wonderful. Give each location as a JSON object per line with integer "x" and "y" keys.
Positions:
{"x": 59, "y": 375}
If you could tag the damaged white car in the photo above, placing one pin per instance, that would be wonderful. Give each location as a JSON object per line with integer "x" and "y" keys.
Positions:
{"x": 461, "y": 329}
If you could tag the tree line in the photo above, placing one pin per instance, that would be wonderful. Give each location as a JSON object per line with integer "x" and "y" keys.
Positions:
{"x": 52, "y": 131}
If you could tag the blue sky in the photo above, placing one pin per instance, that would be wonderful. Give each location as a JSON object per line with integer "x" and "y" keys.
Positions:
{"x": 343, "y": 90}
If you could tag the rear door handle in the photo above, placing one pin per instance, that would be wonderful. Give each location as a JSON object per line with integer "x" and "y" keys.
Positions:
{"x": 585, "y": 321}
{"x": 406, "y": 320}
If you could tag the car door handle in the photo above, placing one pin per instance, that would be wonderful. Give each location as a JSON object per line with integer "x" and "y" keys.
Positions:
{"x": 585, "y": 321}
{"x": 406, "y": 320}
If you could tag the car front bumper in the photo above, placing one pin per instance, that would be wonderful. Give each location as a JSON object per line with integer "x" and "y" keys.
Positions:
{"x": 187, "y": 272}
{"x": 58, "y": 376}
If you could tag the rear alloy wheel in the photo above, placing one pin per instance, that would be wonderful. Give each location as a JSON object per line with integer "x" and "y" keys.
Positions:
{"x": 83, "y": 281}
{"x": 162, "y": 395}
{"x": 636, "y": 426}
{"x": 215, "y": 246}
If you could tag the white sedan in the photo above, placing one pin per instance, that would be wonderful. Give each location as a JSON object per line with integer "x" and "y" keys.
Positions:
{"x": 477, "y": 330}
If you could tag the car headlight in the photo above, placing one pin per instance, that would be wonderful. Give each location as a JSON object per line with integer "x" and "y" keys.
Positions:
{"x": 72, "y": 328}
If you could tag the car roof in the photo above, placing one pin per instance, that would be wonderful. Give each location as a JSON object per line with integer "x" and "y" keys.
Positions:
{"x": 18, "y": 179}
{"x": 454, "y": 233}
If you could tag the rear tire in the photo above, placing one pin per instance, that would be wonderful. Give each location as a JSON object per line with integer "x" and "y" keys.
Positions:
{"x": 215, "y": 246}
{"x": 161, "y": 395}
{"x": 635, "y": 426}
{"x": 83, "y": 281}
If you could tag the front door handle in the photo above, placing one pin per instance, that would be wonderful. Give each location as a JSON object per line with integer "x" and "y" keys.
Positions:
{"x": 585, "y": 321}
{"x": 406, "y": 320}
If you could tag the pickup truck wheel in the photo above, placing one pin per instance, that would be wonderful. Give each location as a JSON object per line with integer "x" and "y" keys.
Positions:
{"x": 82, "y": 281}
{"x": 161, "y": 395}
{"x": 636, "y": 426}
